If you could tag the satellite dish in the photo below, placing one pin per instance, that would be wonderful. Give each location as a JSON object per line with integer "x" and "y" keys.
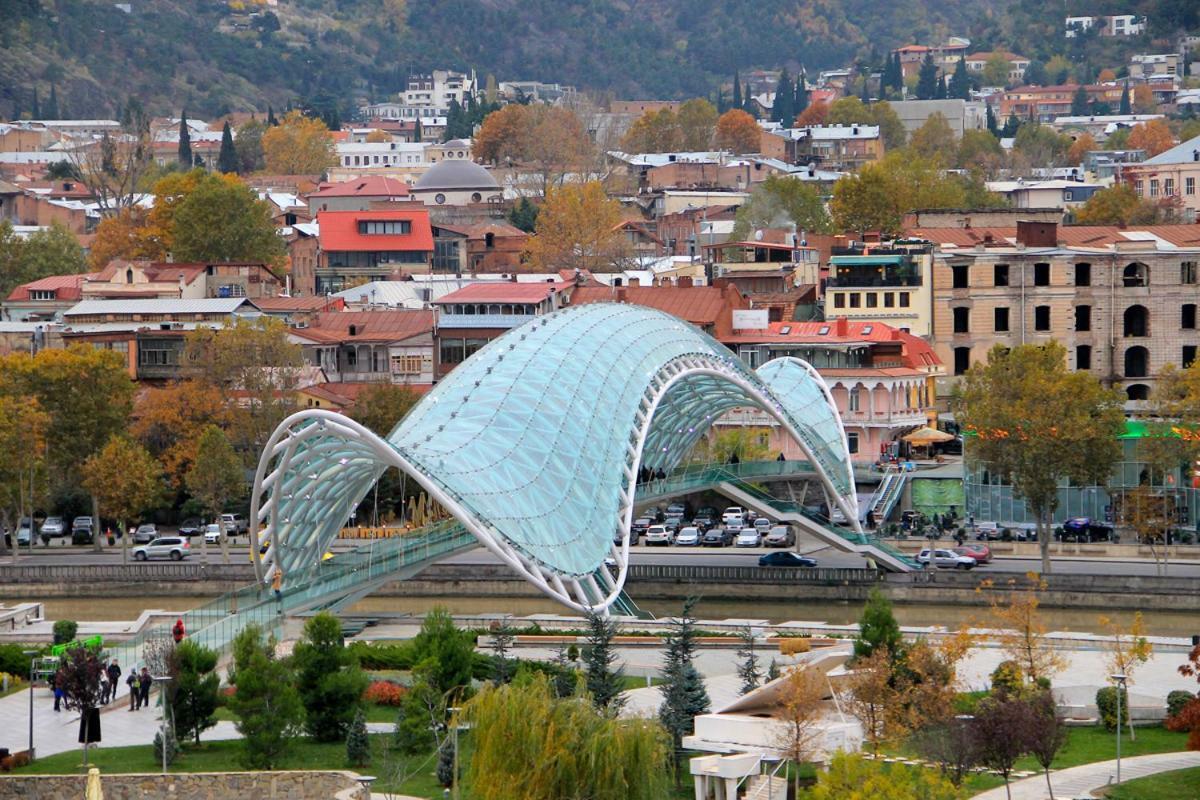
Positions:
{"x": 758, "y": 235}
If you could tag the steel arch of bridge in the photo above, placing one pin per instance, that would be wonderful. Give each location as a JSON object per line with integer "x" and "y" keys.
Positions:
{"x": 535, "y": 444}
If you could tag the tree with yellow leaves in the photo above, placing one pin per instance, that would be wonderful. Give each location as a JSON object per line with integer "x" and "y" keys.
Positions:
{"x": 870, "y": 696}
{"x": 853, "y": 777}
{"x": 738, "y": 132}
{"x": 1021, "y": 630}
{"x": 123, "y": 235}
{"x": 1153, "y": 136}
{"x": 169, "y": 420}
{"x": 1127, "y": 648}
{"x": 298, "y": 145}
{"x": 798, "y": 735}
{"x": 577, "y": 228}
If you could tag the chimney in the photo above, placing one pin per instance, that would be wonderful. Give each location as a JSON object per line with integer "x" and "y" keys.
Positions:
{"x": 622, "y": 294}
{"x": 635, "y": 281}
{"x": 685, "y": 282}
{"x": 1037, "y": 234}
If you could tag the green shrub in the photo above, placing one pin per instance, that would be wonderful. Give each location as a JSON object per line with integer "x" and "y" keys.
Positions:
{"x": 1106, "y": 702}
{"x": 65, "y": 630}
{"x": 13, "y": 660}
{"x": 1008, "y": 678}
{"x": 172, "y": 747}
{"x": 358, "y": 746}
{"x": 1176, "y": 700}
{"x": 383, "y": 656}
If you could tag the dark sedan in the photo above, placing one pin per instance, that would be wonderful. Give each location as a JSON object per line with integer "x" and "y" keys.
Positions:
{"x": 786, "y": 558}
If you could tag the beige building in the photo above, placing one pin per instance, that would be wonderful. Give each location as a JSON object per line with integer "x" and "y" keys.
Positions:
{"x": 1172, "y": 175}
{"x": 1122, "y": 301}
{"x": 889, "y": 285}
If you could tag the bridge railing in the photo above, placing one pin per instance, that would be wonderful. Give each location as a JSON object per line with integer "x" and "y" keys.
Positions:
{"x": 703, "y": 573}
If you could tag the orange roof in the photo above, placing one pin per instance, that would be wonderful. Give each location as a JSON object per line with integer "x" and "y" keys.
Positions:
{"x": 913, "y": 48}
{"x": 65, "y": 287}
{"x": 504, "y": 292}
{"x": 339, "y": 231}
{"x": 917, "y": 352}
{"x": 369, "y": 326}
{"x": 699, "y": 305}
{"x": 370, "y": 186}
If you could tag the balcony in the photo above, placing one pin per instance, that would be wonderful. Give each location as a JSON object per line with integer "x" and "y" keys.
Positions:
{"x": 870, "y": 282}
{"x": 482, "y": 321}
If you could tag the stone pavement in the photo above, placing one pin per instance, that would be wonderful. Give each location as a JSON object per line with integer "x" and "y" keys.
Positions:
{"x": 1080, "y": 781}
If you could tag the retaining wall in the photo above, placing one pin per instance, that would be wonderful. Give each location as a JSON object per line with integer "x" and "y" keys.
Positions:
{"x": 193, "y": 786}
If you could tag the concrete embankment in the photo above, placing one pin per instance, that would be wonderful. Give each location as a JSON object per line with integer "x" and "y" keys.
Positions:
{"x": 654, "y": 582}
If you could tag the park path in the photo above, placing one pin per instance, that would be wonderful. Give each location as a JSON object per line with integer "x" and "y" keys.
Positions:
{"x": 1080, "y": 781}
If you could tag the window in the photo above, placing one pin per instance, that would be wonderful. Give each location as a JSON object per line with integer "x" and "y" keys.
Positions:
{"x": 1187, "y": 316}
{"x": 1136, "y": 322}
{"x": 1187, "y": 272}
{"x": 1188, "y": 356}
{"x": 1083, "y": 274}
{"x": 1169, "y": 187}
{"x": 1041, "y": 274}
{"x": 1000, "y": 318}
{"x": 41, "y": 294}
{"x": 439, "y": 198}
{"x": 1041, "y": 318}
{"x": 1189, "y": 185}
{"x": 855, "y": 300}
{"x": 962, "y": 320}
{"x": 889, "y": 299}
{"x": 961, "y": 277}
{"x": 1136, "y": 274}
{"x": 406, "y": 365}
{"x": 1137, "y": 362}
{"x": 839, "y": 300}
{"x": 853, "y": 400}
{"x": 1083, "y": 356}
{"x": 904, "y": 299}
{"x": 1154, "y": 187}
{"x": 852, "y": 442}
{"x": 1083, "y": 318}
{"x": 872, "y": 299}
{"x": 389, "y": 227}
{"x": 452, "y": 351}
{"x": 962, "y": 360}
{"x": 1138, "y": 391}
{"x": 1000, "y": 274}
{"x": 1137, "y": 188}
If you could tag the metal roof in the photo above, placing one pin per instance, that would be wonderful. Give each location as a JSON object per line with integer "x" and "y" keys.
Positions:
{"x": 213, "y": 305}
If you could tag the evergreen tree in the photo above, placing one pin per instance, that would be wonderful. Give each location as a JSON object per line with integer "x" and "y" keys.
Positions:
{"x": 52, "y": 105}
{"x": 865, "y": 93}
{"x": 227, "y": 160}
{"x": 748, "y": 669}
{"x": 781, "y": 108}
{"x": 750, "y": 106}
{"x": 897, "y": 74}
{"x": 992, "y": 125}
{"x": 684, "y": 695}
{"x": 737, "y": 91}
{"x": 445, "y": 764}
{"x": 942, "y": 92}
{"x": 358, "y": 745}
{"x": 888, "y": 79}
{"x": 524, "y": 215}
{"x": 271, "y": 121}
{"x": 195, "y": 693}
{"x": 960, "y": 82}
{"x": 604, "y": 683}
{"x": 1011, "y": 126}
{"x": 417, "y": 130}
{"x": 268, "y": 707}
{"x": 37, "y": 110}
{"x": 185, "y": 143}
{"x": 328, "y": 678}
{"x": 1035, "y": 74}
{"x": 877, "y": 627}
{"x": 502, "y": 642}
{"x": 454, "y": 121}
{"x": 719, "y": 101}
{"x": 773, "y": 671}
{"x": 927, "y": 81}
{"x": 800, "y": 100}
{"x": 564, "y": 675}
{"x": 1125, "y": 107}
{"x": 1079, "y": 103}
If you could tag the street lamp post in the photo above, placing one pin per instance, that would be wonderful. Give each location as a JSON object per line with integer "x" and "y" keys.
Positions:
{"x": 162, "y": 681}
{"x": 1120, "y": 681}
{"x": 32, "y": 656}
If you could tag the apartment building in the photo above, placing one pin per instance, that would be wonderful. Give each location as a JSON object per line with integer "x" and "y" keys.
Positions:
{"x": 1122, "y": 301}
{"x": 889, "y": 285}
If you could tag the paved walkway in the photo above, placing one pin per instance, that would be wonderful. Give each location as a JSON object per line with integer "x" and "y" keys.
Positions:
{"x": 1080, "y": 781}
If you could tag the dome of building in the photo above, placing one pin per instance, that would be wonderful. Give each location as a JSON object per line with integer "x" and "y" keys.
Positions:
{"x": 455, "y": 175}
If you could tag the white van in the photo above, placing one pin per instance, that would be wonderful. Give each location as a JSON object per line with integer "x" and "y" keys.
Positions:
{"x": 733, "y": 514}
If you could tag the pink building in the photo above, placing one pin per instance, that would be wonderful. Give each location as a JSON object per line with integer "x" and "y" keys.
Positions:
{"x": 881, "y": 377}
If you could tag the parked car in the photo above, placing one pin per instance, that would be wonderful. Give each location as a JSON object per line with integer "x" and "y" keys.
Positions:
{"x": 54, "y": 528}
{"x": 146, "y": 532}
{"x": 708, "y": 513}
{"x": 212, "y": 533}
{"x": 673, "y": 524}
{"x": 235, "y": 525}
{"x": 762, "y": 524}
{"x": 659, "y": 534}
{"x": 175, "y": 548}
{"x": 677, "y": 510}
{"x": 1083, "y": 529}
{"x": 945, "y": 559}
{"x": 26, "y": 530}
{"x": 733, "y": 514}
{"x": 780, "y": 536}
{"x": 688, "y": 537}
{"x": 980, "y": 552}
{"x": 786, "y": 558}
{"x": 191, "y": 526}
{"x": 640, "y": 525}
{"x": 81, "y": 530}
{"x": 748, "y": 537}
{"x": 716, "y": 536}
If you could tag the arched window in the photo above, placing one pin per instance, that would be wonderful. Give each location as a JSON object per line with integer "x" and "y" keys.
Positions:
{"x": 129, "y": 276}
{"x": 1137, "y": 321}
{"x": 1137, "y": 391}
{"x": 1136, "y": 274}
{"x": 1137, "y": 362}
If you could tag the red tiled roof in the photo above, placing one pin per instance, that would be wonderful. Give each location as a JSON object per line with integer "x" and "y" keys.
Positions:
{"x": 66, "y": 287}
{"x": 917, "y": 352}
{"x": 369, "y": 186}
{"x": 504, "y": 292}
{"x": 699, "y": 305}
{"x": 369, "y": 326}
{"x": 339, "y": 231}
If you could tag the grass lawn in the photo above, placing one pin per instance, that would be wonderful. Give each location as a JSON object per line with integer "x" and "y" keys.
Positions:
{"x": 223, "y": 756}
{"x": 374, "y": 712}
{"x": 1167, "y": 786}
{"x": 638, "y": 682}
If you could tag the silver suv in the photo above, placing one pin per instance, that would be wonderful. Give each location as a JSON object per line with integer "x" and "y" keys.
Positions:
{"x": 172, "y": 547}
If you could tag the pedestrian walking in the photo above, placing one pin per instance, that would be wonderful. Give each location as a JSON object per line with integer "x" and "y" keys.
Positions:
{"x": 104, "y": 688}
{"x": 277, "y": 586}
{"x": 144, "y": 683}
{"x": 59, "y": 694}
{"x": 114, "y": 679}
{"x": 134, "y": 689}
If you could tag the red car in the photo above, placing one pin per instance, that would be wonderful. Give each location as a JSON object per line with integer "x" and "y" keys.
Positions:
{"x": 976, "y": 550}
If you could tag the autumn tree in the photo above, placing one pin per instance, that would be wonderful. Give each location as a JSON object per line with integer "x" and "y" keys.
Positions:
{"x": 980, "y": 150}
{"x": 125, "y": 481}
{"x": 869, "y": 695}
{"x": 654, "y": 132}
{"x": 1040, "y": 145}
{"x": 548, "y": 140}
{"x": 995, "y": 70}
{"x": 1035, "y": 424}
{"x": 1002, "y": 727}
{"x": 1153, "y": 136}
{"x": 798, "y": 717}
{"x": 123, "y": 235}
{"x": 813, "y": 116}
{"x": 849, "y": 111}
{"x": 935, "y": 139}
{"x": 46, "y": 252}
{"x": 853, "y": 777}
{"x": 891, "y": 128}
{"x": 697, "y": 120}
{"x": 779, "y": 201}
{"x": 1143, "y": 100}
{"x": 1119, "y": 204}
{"x": 248, "y": 144}
{"x": 298, "y": 145}
{"x": 1083, "y": 144}
{"x": 1126, "y": 649}
{"x": 23, "y": 428}
{"x": 380, "y": 407}
{"x": 738, "y": 132}
{"x": 112, "y": 168}
{"x": 1021, "y": 632}
{"x": 223, "y": 220}
{"x": 168, "y": 421}
{"x": 215, "y": 478}
{"x": 1046, "y": 733}
{"x": 578, "y": 227}
{"x": 500, "y": 137}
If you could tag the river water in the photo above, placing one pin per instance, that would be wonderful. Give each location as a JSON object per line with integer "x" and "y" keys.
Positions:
{"x": 1158, "y": 623}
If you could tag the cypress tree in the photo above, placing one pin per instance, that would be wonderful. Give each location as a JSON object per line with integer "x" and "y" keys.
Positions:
{"x": 37, "y": 110}
{"x": 877, "y": 627}
{"x": 737, "y": 91}
{"x": 271, "y": 121}
{"x": 927, "y": 82}
{"x": 52, "y": 105}
{"x": 942, "y": 91}
{"x": 358, "y": 746}
{"x": 781, "y": 109}
{"x": 684, "y": 695}
{"x": 1126, "y": 107}
{"x": 991, "y": 121}
{"x": 897, "y": 73}
{"x": 748, "y": 669}
{"x": 1079, "y": 103}
{"x": 960, "y": 83}
{"x": 185, "y": 143}
{"x": 417, "y": 130}
{"x": 603, "y": 682}
{"x": 227, "y": 160}
{"x": 801, "y": 97}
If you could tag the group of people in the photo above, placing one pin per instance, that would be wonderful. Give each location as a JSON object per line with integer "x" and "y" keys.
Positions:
{"x": 139, "y": 688}
{"x": 647, "y": 474}
{"x": 139, "y": 684}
